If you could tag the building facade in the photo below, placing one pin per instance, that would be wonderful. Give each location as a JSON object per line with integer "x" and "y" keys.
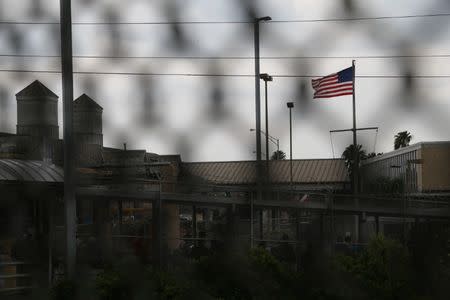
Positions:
{"x": 419, "y": 168}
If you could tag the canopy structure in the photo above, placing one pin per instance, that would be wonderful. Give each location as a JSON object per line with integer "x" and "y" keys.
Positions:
{"x": 15, "y": 170}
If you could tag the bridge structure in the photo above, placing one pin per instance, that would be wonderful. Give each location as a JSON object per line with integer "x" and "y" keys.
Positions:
{"x": 319, "y": 202}
{"x": 415, "y": 205}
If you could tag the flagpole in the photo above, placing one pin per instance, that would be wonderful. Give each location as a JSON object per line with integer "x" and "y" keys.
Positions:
{"x": 355, "y": 156}
{"x": 355, "y": 143}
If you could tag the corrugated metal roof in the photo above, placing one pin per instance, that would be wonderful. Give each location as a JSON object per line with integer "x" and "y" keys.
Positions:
{"x": 244, "y": 172}
{"x": 30, "y": 171}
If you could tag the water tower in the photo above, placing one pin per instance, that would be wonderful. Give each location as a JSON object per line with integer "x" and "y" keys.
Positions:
{"x": 37, "y": 111}
{"x": 87, "y": 121}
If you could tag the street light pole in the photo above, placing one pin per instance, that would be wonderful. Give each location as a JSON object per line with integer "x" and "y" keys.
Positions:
{"x": 258, "y": 118}
{"x": 266, "y": 77}
{"x": 290, "y": 105}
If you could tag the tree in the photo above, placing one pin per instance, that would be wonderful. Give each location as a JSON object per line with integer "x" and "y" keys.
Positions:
{"x": 382, "y": 269}
{"x": 349, "y": 156}
{"x": 278, "y": 155}
{"x": 402, "y": 139}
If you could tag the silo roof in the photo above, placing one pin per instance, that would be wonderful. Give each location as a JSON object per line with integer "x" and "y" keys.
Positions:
{"x": 36, "y": 89}
{"x": 86, "y": 101}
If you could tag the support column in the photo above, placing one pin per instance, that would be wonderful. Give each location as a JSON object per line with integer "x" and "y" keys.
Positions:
{"x": 100, "y": 227}
{"x": 171, "y": 227}
{"x": 120, "y": 215}
{"x": 273, "y": 218}
{"x": 194, "y": 223}
{"x": 298, "y": 246}
{"x": 363, "y": 228}
{"x": 356, "y": 224}
{"x": 157, "y": 260}
{"x": 51, "y": 233}
{"x": 261, "y": 223}
{"x": 377, "y": 224}
{"x": 105, "y": 230}
{"x": 232, "y": 228}
{"x": 322, "y": 232}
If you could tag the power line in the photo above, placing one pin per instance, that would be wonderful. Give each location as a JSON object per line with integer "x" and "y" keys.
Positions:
{"x": 215, "y": 75}
{"x": 229, "y": 22}
{"x": 129, "y": 73}
{"x": 362, "y": 18}
{"x": 368, "y": 76}
{"x": 231, "y": 57}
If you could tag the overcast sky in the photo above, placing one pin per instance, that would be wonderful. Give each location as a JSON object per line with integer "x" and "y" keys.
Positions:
{"x": 207, "y": 119}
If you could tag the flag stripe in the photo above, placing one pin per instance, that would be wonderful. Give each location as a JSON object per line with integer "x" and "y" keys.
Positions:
{"x": 325, "y": 83}
{"x": 335, "y": 95}
{"x": 327, "y": 90}
{"x": 330, "y": 77}
{"x": 334, "y": 86}
{"x": 325, "y": 80}
{"x": 333, "y": 92}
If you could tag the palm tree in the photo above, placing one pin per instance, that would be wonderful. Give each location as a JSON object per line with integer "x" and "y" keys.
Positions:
{"x": 402, "y": 139}
{"x": 349, "y": 156}
{"x": 278, "y": 155}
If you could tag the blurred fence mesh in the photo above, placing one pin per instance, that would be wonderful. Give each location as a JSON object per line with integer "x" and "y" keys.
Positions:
{"x": 197, "y": 115}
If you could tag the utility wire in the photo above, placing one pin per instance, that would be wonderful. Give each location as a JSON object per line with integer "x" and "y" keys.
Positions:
{"x": 230, "y": 22}
{"x": 213, "y": 75}
{"x": 231, "y": 57}
{"x": 362, "y": 18}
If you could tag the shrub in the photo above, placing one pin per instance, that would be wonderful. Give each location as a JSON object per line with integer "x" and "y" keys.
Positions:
{"x": 111, "y": 286}
{"x": 383, "y": 269}
{"x": 64, "y": 290}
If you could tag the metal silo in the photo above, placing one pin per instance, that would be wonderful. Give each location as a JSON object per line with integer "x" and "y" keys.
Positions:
{"x": 37, "y": 111}
{"x": 87, "y": 121}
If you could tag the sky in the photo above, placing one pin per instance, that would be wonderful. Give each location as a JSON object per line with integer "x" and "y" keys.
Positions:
{"x": 209, "y": 118}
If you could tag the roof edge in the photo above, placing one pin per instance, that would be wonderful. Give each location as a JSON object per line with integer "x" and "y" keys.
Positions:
{"x": 403, "y": 150}
{"x": 250, "y": 161}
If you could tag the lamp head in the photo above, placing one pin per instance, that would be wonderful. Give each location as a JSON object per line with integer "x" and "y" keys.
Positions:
{"x": 265, "y": 19}
{"x": 265, "y": 77}
{"x": 290, "y": 104}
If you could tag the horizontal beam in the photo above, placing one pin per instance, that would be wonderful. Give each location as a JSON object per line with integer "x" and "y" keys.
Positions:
{"x": 340, "y": 205}
{"x": 357, "y": 129}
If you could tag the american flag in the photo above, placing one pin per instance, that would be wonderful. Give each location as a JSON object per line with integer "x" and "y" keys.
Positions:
{"x": 334, "y": 85}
